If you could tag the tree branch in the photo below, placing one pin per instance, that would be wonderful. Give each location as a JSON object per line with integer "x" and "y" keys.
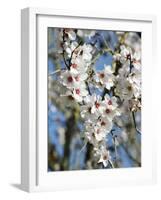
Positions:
{"x": 105, "y": 91}
{"x": 134, "y": 120}
{"x": 88, "y": 88}
{"x": 114, "y": 141}
{"x": 73, "y": 52}
{"x": 68, "y": 67}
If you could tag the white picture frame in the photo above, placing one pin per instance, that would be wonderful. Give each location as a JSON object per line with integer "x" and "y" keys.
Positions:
{"x": 34, "y": 176}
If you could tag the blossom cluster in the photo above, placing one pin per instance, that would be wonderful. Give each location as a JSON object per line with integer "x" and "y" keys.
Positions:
{"x": 120, "y": 84}
{"x": 128, "y": 80}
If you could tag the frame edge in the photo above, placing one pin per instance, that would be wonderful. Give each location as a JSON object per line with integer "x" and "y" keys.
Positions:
{"x": 25, "y": 99}
{"x": 28, "y": 99}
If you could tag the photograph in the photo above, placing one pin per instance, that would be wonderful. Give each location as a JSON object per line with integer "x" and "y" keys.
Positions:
{"x": 94, "y": 99}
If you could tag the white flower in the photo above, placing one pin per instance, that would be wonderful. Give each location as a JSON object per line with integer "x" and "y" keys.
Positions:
{"x": 126, "y": 57}
{"x": 111, "y": 102}
{"x": 110, "y": 107}
{"x": 89, "y": 132}
{"x": 104, "y": 124}
{"x": 105, "y": 77}
{"x": 137, "y": 62}
{"x": 104, "y": 156}
{"x": 109, "y": 113}
{"x": 99, "y": 133}
{"x": 90, "y": 138}
{"x": 116, "y": 56}
{"x": 124, "y": 70}
{"x": 95, "y": 134}
{"x": 79, "y": 77}
{"x": 79, "y": 92}
{"x": 81, "y": 59}
{"x": 135, "y": 105}
{"x": 70, "y": 47}
{"x": 95, "y": 102}
{"x": 124, "y": 89}
{"x": 98, "y": 129}
{"x": 67, "y": 79}
{"x": 78, "y": 65}
{"x": 137, "y": 66}
{"x": 125, "y": 53}
{"x": 135, "y": 80}
{"x": 133, "y": 40}
{"x": 84, "y": 52}
{"x": 136, "y": 57}
{"x": 85, "y": 112}
{"x": 71, "y": 79}
{"x": 86, "y": 33}
{"x": 71, "y": 34}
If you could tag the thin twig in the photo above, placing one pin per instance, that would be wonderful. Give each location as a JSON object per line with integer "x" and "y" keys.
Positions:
{"x": 69, "y": 61}
{"x": 55, "y": 72}
{"x": 105, "y": 91}
{"x": 108, "y": 49}
{"x": 83, "y": 148}
{"x": 65, "y": 60}
{"x": 88, "y": 88}
{"x": 73, "y": 53}
{"x": 131, "y": 66}
{"x": 110, "y": 163}
{"x": 64, "y": 51}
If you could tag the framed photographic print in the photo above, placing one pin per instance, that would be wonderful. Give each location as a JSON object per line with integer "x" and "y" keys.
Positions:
{"x": 87, "y": 112}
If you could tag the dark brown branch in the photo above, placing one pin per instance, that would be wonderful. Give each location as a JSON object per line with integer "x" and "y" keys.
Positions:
{"x": 131, "y": 65}
{"x": 73, "y": 52}
{"x": 70, "y": 131}
{"x": 66, "y": 64}
{"x": 69, "y": 61}
{"x": 134, "y": 120}
{"x": 110, "y": 164}
{"x": 105, "y": 91}
{"x": 68, "y": 67}
{"x": 88, "y": 88}
{"x": 118, "y": 66}
{"x": 114, "y": 141}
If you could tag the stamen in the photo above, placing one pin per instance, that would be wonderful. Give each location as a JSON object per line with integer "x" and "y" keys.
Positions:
{"x": 70, "y": 79}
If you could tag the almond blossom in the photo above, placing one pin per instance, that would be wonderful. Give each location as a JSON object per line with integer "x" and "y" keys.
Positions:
{"x": 110, "y": 107}
{"x": 105, "y": 77}
{"x": 79, "y": 92}
{"x": 121, "y": 82}
{"x": 124, "y": 89}
{"x": 104, "y": 156}
{"x": 125, "y": 54}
